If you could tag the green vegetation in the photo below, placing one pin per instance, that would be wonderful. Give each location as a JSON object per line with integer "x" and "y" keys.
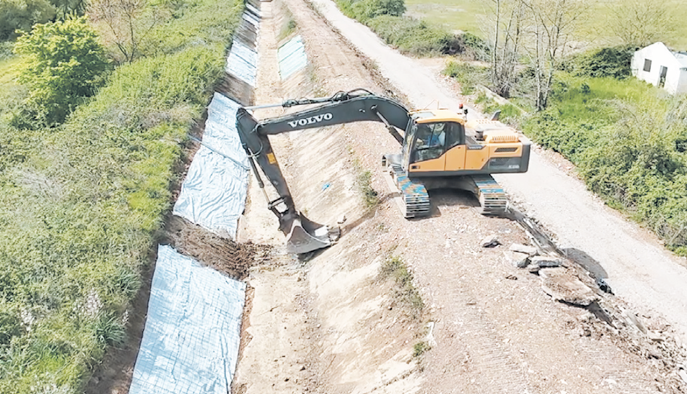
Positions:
{"x": 468, "y": 75}
{"x": 409, "y": 35}
{"x": 469, "y": 16}
{"x": 364, "y": 184}
{"x": 80, "y": 203}
{"x": 394, "y": 267}
{"x": 22, "y": 14}
{"x": 64, "y": 61}
{"x": 420, "y": 348}
{"x": 628, "y": 141}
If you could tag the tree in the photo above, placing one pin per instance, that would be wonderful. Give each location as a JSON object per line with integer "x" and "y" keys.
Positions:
{"x": 22, "y": 15}
{"x": 553, "y": 24}
{"x": 509, "y": 21}
{"x": 641, "y": 22}
{"x": 64, "y": 63}
{"x": 126, "y": 21}
{"x": 68, "y": 7}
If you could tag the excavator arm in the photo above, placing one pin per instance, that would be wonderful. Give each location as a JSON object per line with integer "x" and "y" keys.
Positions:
{"x": 358, "y": 105}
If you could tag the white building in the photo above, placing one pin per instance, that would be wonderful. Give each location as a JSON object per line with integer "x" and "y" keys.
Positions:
{"x": 659, "y": 66}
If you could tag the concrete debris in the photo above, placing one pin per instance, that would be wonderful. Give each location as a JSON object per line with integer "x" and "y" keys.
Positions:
{"x": 520, "y": 248}
{"x": 655, "y": 336}
{"x": 520, "y": 260}
{"x": 683, "y": 374}
{"x": 604, "y": 286}
{"x": 539, "y": 262}
{"x": 563, "y": 286}
{"x": 490, "y": 241}
{"x": 511, "y": 277}
{"x": 633, "y": 321}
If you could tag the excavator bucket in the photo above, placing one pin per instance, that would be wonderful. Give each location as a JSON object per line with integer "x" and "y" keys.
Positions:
{"x": 306, "y": 236}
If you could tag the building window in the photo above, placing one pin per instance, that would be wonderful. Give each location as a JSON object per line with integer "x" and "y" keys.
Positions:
{"x": 647, "y": 65}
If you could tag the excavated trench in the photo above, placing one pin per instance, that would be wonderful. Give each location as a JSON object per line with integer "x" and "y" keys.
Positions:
{"x": 331, "y": 323}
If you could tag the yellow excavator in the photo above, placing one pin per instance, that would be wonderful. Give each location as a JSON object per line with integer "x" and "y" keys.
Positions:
{"x": 440, "y": 149}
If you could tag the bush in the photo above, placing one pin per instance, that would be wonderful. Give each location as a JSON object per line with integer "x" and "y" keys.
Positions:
{"x": 606, "y": 62}
{"x": 468, "y": 75}
{"x": 364, "y": 10}
{"x": 81, "y": 206}
{"x": 627, "y": 145}
{"x": 415, "y": 36}
{"x": 64, "y": 63}
{"x": 22, "y": 15}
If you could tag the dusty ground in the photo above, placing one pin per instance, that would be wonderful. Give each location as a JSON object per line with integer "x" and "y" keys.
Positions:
{"x": 490, "y": 325}
{"x": 637, "y": 265}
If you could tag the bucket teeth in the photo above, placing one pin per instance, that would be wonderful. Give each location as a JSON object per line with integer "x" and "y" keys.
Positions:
{"x": 306, "y": 236}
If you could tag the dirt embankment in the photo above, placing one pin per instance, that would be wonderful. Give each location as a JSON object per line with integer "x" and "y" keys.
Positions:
{"x": 329, "y": 324}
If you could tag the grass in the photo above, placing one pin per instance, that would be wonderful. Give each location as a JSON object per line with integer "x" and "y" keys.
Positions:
{"x": 363, "y": 182}
{"x": 80, "y": 204}
{"x": 470, "y": 15}
{"x": 420, "y": 348}
{"x": 394, "y": 267}
{"x": 456, "y": 15}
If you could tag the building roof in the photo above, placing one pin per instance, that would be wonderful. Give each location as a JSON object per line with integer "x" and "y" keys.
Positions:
{"x": 680, "y": 57}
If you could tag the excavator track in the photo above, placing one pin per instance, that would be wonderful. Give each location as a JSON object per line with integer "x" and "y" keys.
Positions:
{"x": 414, "y": 195}
{"x": 492, "y": 197}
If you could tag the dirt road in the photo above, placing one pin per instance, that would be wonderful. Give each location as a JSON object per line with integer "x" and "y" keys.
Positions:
{"x": 331, "y": 325}
{"x": 631, "y": 259}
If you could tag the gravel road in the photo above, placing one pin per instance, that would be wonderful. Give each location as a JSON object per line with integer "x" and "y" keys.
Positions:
{"x": 635, "y": 264}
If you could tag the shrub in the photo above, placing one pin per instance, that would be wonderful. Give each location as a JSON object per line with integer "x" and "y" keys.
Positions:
{"x": 64, "y": 63}
{"x": 81, "y": 206}
{"x": 364, "y": 10}
{"x": 22, "y": 15}
{"x": 605, "y": 62}
{"x": 415, "y": 36}
{"x": 468, "y": 75}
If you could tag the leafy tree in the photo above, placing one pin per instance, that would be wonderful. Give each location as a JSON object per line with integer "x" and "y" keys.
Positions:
{"x": 22, "y": 14}
{"x": 64, "y": 63}
{"x": 68, "y": 7}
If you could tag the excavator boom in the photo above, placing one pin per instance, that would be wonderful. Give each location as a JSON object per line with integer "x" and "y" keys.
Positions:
{"x": 302, "y": 234}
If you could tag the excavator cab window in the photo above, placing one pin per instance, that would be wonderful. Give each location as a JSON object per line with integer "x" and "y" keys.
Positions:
{"x": 433, "y": 139}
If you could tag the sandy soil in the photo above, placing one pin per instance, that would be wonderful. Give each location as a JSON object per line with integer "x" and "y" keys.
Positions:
{"x": 490, "y": 325}
{"x": 638, "y": 268}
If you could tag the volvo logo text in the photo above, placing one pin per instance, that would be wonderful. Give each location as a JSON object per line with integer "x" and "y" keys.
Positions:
{"x": 310, "y": 120}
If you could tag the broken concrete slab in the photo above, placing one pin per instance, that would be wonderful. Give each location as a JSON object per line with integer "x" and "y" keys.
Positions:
{"x": 490, "y": 241}
{"x": 520, "y": 248}
{"x": 564, "y": 286}
{"x": 520, "y": 260}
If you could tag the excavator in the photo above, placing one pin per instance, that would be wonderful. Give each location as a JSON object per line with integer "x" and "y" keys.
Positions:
{"x": 439, "y": 149}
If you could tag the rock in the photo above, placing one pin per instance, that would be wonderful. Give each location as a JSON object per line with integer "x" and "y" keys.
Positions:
{"x": 546, "y": 261}
{"x": 655, "y": 336}
{"x": 490, "y": 241}
{"x": 603, "y": 285}
{"x": 511, "y": 277}
{"x": 563, "y": 286}
{"x": 683, "y": 375}
{"x": 342, "y": 219}
{"x": 520, "y": 260}
{"x": 528, "y": 250}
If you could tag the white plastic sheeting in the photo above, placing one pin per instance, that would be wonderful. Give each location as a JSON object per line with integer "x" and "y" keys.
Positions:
{"x": 213, "y": 194}
{"x": 291, "y": 57}
{"x": 192, "y": 333}
{"x": 243, "y": 62}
